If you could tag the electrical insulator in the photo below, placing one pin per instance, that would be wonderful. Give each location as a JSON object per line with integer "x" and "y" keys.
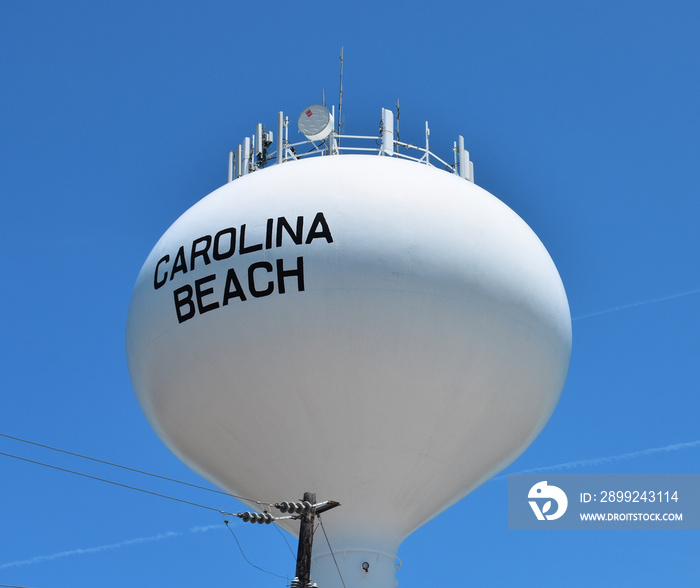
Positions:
{"x": 301, "y": 507}
{"x": 256, "y": 517}
{"x": 295, "y": 507}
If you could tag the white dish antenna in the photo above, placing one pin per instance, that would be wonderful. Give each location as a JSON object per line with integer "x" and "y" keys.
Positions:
{"x": 316, "y": 122}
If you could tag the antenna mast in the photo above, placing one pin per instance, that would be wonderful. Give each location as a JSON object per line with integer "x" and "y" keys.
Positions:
{"x": 340, "y": 103}
{"x": 398, "y": 118}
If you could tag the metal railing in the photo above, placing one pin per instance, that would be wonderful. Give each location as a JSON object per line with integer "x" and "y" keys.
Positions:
{"x": 255, "y": 153}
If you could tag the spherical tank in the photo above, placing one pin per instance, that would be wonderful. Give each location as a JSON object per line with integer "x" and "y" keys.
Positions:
{"x": 376, "y": 331}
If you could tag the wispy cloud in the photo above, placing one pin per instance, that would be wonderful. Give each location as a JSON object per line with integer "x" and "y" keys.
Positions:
{"x": 635, "y": 304}
{"x": 569, "y": 465}
{"x": 89, "y": 550}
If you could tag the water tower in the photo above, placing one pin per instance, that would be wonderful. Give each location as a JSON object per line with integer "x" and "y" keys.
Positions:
{"x": 352, "y": 316}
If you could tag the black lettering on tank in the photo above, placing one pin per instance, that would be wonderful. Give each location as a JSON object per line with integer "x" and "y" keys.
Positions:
{"x": 180, "y": 264}
{"x": 186, "y": 301}
{"x": 268, "y": 233}
{"x": 243, "y": 248}
{"x": 233, "y": 288}
{"x": 251, "y": 279}
{"x": 217, "y": 253}
{"x": 319, "y": 229}
{"x": 201, "y": 293}
{"x": 296, "y": 235}
{"x": 298, "y": 272}
{"x": 156, "y": 282}
{"x": 203, "y": 253}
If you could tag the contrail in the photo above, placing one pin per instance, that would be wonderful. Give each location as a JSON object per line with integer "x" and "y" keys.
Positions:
{"x": 635, "y": 304}
{"x": 609, "y": 459}
{"x": 111, "y": 546}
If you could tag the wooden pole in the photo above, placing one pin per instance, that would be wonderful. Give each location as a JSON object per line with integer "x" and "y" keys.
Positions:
{"x": 306, "y": 539}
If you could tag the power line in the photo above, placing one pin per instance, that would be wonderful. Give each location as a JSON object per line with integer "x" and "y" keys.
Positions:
{"x": 130, "y": 487}
{"x": 117, "y": 483}
{"x": 320, "y": 520}
{"x": 285, "y": 540}
{"x": 116, "y": 465}
{"x": 250, "y": 562}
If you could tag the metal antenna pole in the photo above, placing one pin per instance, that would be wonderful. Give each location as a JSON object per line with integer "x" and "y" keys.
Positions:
{"x": 340, "y": 102}
{"x": 306, "y": 539}
{"x": 398, "y": 118}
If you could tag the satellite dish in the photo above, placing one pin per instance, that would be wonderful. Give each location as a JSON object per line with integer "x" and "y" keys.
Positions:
{"x": 378, "y": 332}
{"x": 316, "y": 122}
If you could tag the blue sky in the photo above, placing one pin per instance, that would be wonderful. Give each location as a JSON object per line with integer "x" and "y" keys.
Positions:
{"x": 117, "y": 117}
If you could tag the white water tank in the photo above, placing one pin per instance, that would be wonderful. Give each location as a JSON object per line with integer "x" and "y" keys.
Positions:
{"x": 379, "y": 332}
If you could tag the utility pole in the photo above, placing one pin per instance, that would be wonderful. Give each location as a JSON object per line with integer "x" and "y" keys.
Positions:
{"x": 306, "y": 539}
{"x": 305, "y": 511}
